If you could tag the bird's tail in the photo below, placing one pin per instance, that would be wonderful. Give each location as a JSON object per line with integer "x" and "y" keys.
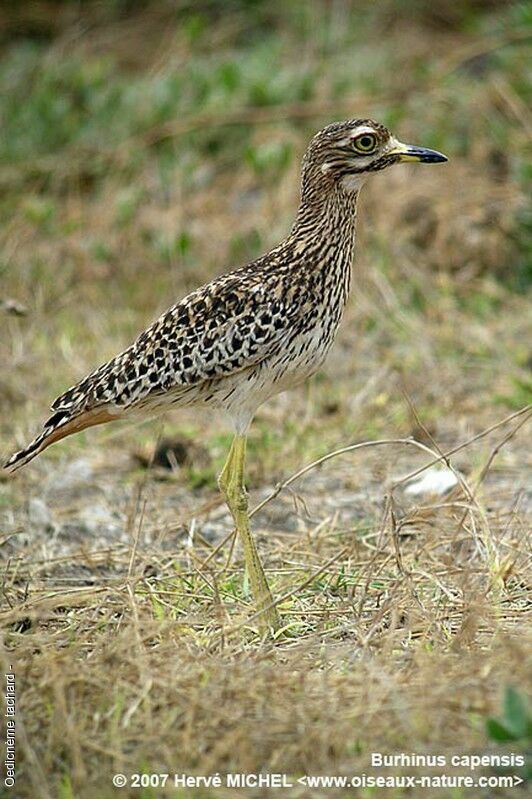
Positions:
{"x": 63, "y": 423}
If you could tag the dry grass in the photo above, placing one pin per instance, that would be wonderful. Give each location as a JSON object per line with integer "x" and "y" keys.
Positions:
{"x": 130, "y": 629}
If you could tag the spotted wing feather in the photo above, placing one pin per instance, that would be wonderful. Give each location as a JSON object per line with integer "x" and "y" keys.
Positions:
{"x": 229, "y": 325}
{"x": 214, "y": 332}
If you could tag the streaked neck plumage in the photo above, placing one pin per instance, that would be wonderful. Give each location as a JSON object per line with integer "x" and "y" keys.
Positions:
{"x": 326, "y": 217}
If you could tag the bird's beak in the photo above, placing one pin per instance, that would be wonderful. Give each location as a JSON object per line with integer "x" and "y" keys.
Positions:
{"x": 408, "y": 152}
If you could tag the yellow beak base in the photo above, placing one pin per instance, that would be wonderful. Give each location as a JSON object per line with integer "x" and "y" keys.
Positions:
{"x": 410, "y": 153}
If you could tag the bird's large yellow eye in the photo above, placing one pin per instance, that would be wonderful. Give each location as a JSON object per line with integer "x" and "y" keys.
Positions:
{"x": 365, "y": 143}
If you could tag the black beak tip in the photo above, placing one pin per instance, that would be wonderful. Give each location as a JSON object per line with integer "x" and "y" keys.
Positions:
{"x": 434, "y": 158}
{"x": 427, "y": 156}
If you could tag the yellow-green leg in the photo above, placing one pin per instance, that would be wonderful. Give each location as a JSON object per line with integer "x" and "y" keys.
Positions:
{"x": 231, "y": 482}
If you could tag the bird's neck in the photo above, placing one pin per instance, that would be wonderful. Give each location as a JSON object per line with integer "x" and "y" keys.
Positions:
{"x": 327, "y": 220}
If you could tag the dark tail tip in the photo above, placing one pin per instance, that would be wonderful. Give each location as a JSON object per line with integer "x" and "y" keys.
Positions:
{"x": 23, "y": 456}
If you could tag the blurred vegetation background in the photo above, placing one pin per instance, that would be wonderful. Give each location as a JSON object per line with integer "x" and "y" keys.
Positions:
{"x": 147, "y": 146}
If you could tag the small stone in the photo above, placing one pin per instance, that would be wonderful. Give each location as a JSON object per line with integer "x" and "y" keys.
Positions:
{"x": 69, "y": 479}
{"x": 13, "y": 307}
{"x": 434, "y": 481}
{"x": 76, "y": 472}
{"x": 39, "y": 516}
{"x": 100, "y": 521}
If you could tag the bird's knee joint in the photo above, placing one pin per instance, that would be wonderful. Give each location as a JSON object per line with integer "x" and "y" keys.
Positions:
{"x": 238, "y": 497}
{"x": 241, "y": 499}
{"x": 235, "y": 495}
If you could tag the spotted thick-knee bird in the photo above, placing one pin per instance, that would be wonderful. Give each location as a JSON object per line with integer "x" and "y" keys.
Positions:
{"x": 251, "y": 333}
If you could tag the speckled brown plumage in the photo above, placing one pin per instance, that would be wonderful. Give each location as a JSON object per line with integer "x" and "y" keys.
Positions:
{"x": 253, "y": 332}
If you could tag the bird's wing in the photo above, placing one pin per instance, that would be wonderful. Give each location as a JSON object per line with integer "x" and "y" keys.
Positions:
{"x": 222, "y": 328}
{"x": 227, "y": 326}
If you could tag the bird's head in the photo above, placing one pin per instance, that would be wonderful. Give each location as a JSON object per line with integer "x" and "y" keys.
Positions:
{"x": 344, "y": 154}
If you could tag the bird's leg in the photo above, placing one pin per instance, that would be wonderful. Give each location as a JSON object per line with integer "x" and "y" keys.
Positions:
{"x": 231, "y": 482}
